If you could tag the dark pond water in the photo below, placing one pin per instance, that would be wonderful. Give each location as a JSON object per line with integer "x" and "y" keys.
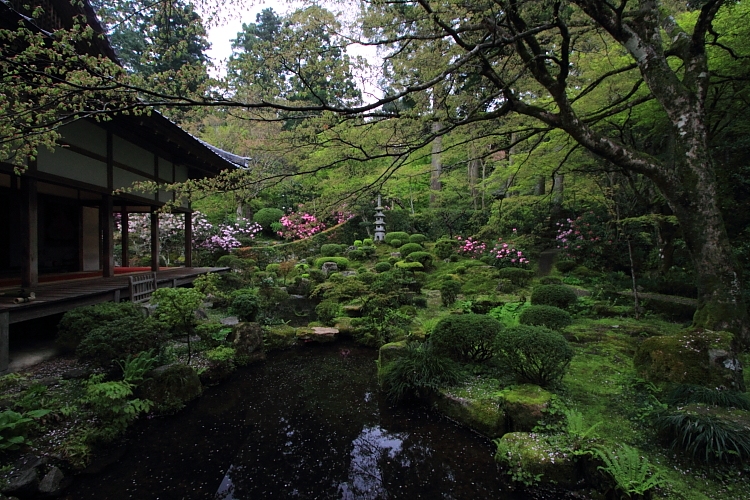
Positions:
{"x": 304, "y": 424}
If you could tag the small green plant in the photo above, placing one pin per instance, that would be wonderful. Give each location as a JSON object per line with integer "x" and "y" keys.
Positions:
{"x": 327, "y": 311}
{"x": 631, "y": 472}
{"x": 704, "y": 435}
{"x": 444, "y": 249}
{"x": 267, "y": 216}
{"x": 221, "y": 354}
{"x": 576, "y": 428}
{"x": 684, "y": 394}
{"x": 553, "y": 295}
{"x": 245, "y": 304}
{"x": 509, "y": 313}
{"x": 15, "y": 426}
{"x": 134, "y": 369}
{"x": 552, "y": 317}
{"x": 382, "y": 267}
{"x": 424, "y": 258}
{"x": 176, "y": 307}
{"x": 534, "y": 353}
{"x": 367, "y": 242}
{"x": 418, "y": 372}
{"x": 113, "y": 406}
{"x": 122, "y": 337}
{"x": 449, "y": 290}
{"x": 466, "y": 337}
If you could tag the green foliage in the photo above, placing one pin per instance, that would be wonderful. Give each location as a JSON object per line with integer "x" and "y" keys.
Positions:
{"x": 122, "y": 337}
{"x": 444, "y": 249}
{"x": 267, "y": 216}
{"x": 410, "y": 266}
{"x": 368, "y": 251}
{"x": 420, "y": 301}
{"x": 449, "y": 290}
{"x": 509, "y": 313}
{"x": 356, "y": 255}
{"x": 76, "y": 324}
{"x": 367, "y": 242}
{"x": 534, "y": 353}
{"x": 382, "y": 325}
{"x": 331, "y": 249}
{"x": 706, "y": 435}
{"x": 208, "y": 284}
{"x": 631, "y": 472}
{"x": 424, "y": 258}
{"x": 396, "y": 235}
{"x": 357, "y": 243}
{"x": 517, "y": 276}
{"x": 576, "y": 428}
{"x": 684, "y": 394}
{"x": 566, "y": 265}
{"x": 134, "y": 369}
{"x": 418, "y": 372}
{"x": 382, "y": 267}
{"x": 553, "y": 295}
{"x": 245, "y": 304}
{"x": 176, "y": 307}
{"x": 15, "y": 426}
{"x": 466, "y": 337}
{"x": 550, "y": 316}
{"x": 113, "y": 406}
{"x": 417, "y": 238}
{"x": 327, "y": 311}
{"x": 273, "y": 268}
{"x": 396, "y": 243}
{"x": 221, "y": 354}
{"x": 341, "y": 262}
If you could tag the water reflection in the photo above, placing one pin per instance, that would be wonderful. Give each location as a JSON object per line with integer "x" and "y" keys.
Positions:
{"x": 373, "y": 448}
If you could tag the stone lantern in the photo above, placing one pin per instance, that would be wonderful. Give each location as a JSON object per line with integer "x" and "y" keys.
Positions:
{"x": 379, "y": 222}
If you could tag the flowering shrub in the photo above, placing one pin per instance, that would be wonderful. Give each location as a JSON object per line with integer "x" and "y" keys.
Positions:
{"x": 504, "y": 254}
{"x": 471, "y": 247}
{"x": 586, "y": 239}
{"x": 299, "y": 225}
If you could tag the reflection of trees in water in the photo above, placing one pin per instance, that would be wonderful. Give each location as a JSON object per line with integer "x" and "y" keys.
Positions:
{"x": 373, "y": 450}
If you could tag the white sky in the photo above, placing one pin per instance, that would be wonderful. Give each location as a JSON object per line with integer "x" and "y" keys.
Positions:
{"x": 220, "y": 37}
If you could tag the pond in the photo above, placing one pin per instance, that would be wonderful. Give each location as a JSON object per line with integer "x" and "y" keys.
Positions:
{"x": 306, "y": 423}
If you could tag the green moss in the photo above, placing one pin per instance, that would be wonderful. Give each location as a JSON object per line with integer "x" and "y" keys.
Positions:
{"x": 279, "y": 337}
{"x": 475, "y": 405}
{"x": 389, "y": 353}
{"x": 524, "y": 405}
{"x": 529, "y": 457}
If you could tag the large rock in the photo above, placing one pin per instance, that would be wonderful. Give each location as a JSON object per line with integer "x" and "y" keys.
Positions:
{"x": 524, "y": 406}
{"x": 171, "y": 386}
{"x": 482, "y": 413}
{"x": 52, "y": 482}
{"x": 247, "y": 341}
{"x": 23, "y": 482}
{"x": 279, "y": 337}
{"x": 319, "y": 334}
{"x": 533, "y": 457}
{"x": 329, "y": 267}
{"x": 700, "y": 357}
{"x": 389, "y": 353}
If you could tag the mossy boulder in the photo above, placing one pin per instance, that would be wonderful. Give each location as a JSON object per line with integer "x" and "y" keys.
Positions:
{"x": 524, "y": 405}
{"x": 247, "y": 340}
{"x": 345, "y": 326}
{"x": 279, "y": 337}
{"x": 701, "y": 357}
{"x": 531, "y": 455}
{"x": 319, "y": 334}
{"x": 171, "y": 386}
{"x": 388, "y": 353}
{"x": 474, "y": 405}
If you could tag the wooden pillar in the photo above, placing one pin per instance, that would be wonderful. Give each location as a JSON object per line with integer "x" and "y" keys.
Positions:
{"x": 108, "y": 236}
{"x": 30, "y": 229}
{"x": 188, "y": 240}
{"x": 154, "y": 240}
{"x": 125, "y": 225}
{"x": 4, "y": 342}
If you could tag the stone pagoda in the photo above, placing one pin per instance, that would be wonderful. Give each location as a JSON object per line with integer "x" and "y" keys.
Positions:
{"x": 379, "y": 222}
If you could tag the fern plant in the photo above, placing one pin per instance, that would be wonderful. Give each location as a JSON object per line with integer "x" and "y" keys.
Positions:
{"x": 631, "y": 472}
{"x": 576, "y": 428}
{"x": 113, "y": 406}
{"x": 135, "y": 368}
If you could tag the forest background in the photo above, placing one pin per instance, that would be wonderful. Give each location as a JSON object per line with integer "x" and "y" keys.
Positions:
{"x": 615, "y": 130}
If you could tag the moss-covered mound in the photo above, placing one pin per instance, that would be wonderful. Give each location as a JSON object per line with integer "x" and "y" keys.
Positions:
{"x": 171, "y": 386}
{"x": 700, "y": 357}
{"x": 524, "y": 405}
{"x": 529, "y": 457}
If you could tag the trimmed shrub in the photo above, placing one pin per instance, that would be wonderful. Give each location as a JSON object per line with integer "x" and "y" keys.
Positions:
{"x": 245, "y": 304}
{"x": 417, "y": 238}
{"x": 553, "y": 295}
{"x": 418, "y": 372}
{"x": 395, "y": 243}
{"x": 367, "y": 242}
{"x": 466, "y": 337}
{"x": 424, "y": 258}
{"x": 566, "y": 265}
{"x": 444, "y": 249}
{"x": 327, "y": 311}
{"x": 516, "y": 275}
{"x": 76, "y": 324}
{"x": 357, "y": 243}
{"x": 342, "y": 262}
{"x": 231, "y": 261}
{"x": 550, "y": 316}
{"x": 367, "y": 278}
{"x": 369, "y": 251}
{"x": 331, "y": 249}
{"x": 449, "y": 290}
{"x": 410, "y": 266}
{"x": 356, "y": 255}
{"x": 119, "y": 339}
{"x": 267, "y": 216}
{"x": 410, "y": 248}
{"x": 534, "y": 353}
{"x": 419, "y": 301}
{"x": 383, "y": 267}
{"x": 316, "y": 275}
{"x": 550, "y": 280}
{"x": 396, "y": 235}
{"x": 273, "y": 268}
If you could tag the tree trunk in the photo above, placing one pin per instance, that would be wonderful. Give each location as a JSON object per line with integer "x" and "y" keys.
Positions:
{"x": 437, "y": 165}
{"x": 473, "y": 178}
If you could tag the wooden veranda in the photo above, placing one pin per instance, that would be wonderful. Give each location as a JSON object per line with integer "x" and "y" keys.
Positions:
{"x": 61, "y": 296}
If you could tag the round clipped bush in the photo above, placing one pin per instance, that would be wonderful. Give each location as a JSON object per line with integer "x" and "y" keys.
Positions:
{"x": 516, "y": 275}
{"x": 466, "y": 337}
{"x": 417, "y": 238}
{"x": 367, "y": 242}
{"x": 267, "y": 216}
{"x": 331, "y": 249}
{"x": 424, "y": 258}
{"x": 273, "y": 268}
{"x": 119, "y": 339}
{"x": 327, "y": 311}
{"x": 357, "y": 243}
{"x": 553, "y": 295}
{"x": 534, "y": 353}
{"x": 383, "y": 267}
{"x": 445, "y": 249}
{"x": 409, "y": 248}
{"x": 449, "y": 290}
{"x": 395, "y": 243}
{"x": 410, "y": 266}
{"x": 401, "y": 236}
{"x": 356, "y": 255}
{"x": 550, "y": 316}
{"x": 368, "y": 251}
{"x": 342, "y": 262}
{"x": 77, "y": 323}
{"x": 245, "y": 304}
